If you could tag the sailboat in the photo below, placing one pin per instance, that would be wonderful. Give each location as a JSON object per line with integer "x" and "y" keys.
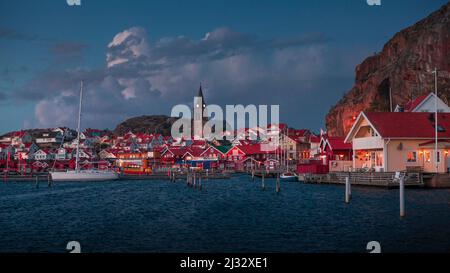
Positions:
{"x": 79, "y": 175}
{"x": 287, "y": 175}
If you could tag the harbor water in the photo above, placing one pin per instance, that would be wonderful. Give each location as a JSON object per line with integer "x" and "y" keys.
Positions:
{"x": 234, "y": 215}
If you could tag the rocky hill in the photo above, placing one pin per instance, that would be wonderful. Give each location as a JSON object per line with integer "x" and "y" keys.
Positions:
{"x": 404, "y": 66}
{"x": 159, "y": 124}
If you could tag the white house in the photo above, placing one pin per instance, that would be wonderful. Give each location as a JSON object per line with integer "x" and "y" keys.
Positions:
{"x": 398, "y": 141}
{"x": 424, "y": 103}
{"x": 41, "y": 155}
{"x": 49, "y": 138}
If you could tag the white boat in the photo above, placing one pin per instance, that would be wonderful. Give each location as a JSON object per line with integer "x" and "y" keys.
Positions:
{"x": 84, "y": 175}
{"x": 288, "y": 177}
{"x": 78, "y": 175}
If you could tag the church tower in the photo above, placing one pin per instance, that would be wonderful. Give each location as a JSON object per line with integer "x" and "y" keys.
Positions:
{"x": 199, "y": 112}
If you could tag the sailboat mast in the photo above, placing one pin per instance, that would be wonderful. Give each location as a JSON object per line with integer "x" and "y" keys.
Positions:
{"x": 287, "y": 149}
{"x": 77, "y": 157}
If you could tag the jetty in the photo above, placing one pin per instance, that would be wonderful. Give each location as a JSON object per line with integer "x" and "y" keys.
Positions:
{"x": 24, "y": 178}
{"x": 377, "y": 179}
{"x": 174, "y": 176}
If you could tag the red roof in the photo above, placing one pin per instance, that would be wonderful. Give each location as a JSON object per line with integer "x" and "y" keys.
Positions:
{"x": 195, "y": 151}
{"x": 337, "y": 143}
{"x": 411, "y": 105}
{"x": 176, "y": 151}
{"x": 314, "y": 139}
{"x": 19, "y": 134}
{"x": 409, "y": 124}
{"x": 251, "y": 149}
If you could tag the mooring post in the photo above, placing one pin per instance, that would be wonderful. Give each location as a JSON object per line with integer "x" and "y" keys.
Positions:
{"x": 200, "y": 182}
{"x": 253, "y": 175}
{"x": 262, "y": 181}
{"x": 37, "y": 182}
{"x": 49, "y": 180}
{"x": 402, "y": 196}
{"x": 278, "y": 188}
{"x": 347, "y": 190}
{"x": 194, "y": 180}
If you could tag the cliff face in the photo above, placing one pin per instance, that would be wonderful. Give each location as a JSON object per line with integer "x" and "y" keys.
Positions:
{"x": 404, "y": 66}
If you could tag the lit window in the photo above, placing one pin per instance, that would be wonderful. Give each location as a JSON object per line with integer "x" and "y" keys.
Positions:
{"x": 411, "y": 157}
{"x": 427, "y": 157}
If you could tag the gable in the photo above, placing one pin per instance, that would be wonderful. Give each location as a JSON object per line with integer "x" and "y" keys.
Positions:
{"x": 428, "y": 105}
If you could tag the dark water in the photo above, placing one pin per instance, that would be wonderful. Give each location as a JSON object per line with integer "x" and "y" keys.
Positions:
{"x": 227, "y": 216}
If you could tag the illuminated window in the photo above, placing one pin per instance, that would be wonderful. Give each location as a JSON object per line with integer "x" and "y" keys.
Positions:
{"x": 411, "y": 157}
{"x": 379, "y": 159}
{"x": 427, "y": 157}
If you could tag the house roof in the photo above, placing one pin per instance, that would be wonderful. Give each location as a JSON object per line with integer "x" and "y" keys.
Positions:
{"x": 337, "y": 143}
{"x": 314, "y": 139}
{"x": 250, "y": 149}
{"x": 412, "y": 104}
{"x": 195, "y": 151}
{"x": 222, "y": 149}
{"x": 407, "y": 124}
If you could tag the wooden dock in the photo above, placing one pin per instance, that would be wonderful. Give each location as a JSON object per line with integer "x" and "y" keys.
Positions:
{"x": 377, "y": 179}
{"x": 178, "y": 176}
{"x": 25, "y": 178}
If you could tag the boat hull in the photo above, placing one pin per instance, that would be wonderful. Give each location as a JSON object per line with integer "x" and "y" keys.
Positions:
{"x": 288, "y": 178}
{"x": 83, "y": 176}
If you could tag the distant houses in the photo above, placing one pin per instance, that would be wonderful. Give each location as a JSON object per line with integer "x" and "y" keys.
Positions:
{"x": 144, "y": 152}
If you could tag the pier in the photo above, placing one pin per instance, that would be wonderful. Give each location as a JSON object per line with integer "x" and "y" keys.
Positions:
{"x": 173, "y": 176}
{"x": 378, "y": 179}
{"x": 25, "y": 178}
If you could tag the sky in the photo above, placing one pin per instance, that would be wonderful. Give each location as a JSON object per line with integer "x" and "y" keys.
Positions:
{"x": 143, "y": 57}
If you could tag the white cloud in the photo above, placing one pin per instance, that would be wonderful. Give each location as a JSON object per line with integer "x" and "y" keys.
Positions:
{"x": 149, "y": 78}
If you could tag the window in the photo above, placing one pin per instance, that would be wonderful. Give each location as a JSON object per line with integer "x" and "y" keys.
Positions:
{"x": 427, "y": 157}
{"x": 379, "y": 159}
{"x": 411, "y": 157}
{"x": 438, "y": 156}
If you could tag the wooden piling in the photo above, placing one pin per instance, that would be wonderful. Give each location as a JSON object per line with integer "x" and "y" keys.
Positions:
{"x": 262, "y": 181}
{"x": 347, "y": 190}
{"x": 402, "y": 196}
{"x": 49, "y": 181}
{"x": 278, "y": 187}
{"x": 37, "y": 182}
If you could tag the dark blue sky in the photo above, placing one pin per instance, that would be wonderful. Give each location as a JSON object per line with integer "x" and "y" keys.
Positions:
{"x": 299, "y": 54}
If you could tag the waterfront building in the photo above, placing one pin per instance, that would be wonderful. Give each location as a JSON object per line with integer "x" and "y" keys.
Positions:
{"x": 424, "y": 103}
{"x": 399, "y": 141}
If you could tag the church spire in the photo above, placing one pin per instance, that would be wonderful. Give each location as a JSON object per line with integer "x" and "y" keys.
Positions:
{"x": 200, "y": 94}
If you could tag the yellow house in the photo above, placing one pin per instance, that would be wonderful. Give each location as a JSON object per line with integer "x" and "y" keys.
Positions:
{"x": 400, "y": 141}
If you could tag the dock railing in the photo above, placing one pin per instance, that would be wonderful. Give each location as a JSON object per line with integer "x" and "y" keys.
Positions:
{"x": 377, "y": 178}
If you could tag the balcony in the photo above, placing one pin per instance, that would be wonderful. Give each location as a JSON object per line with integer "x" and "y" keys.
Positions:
{"x": 366, "y": 143}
